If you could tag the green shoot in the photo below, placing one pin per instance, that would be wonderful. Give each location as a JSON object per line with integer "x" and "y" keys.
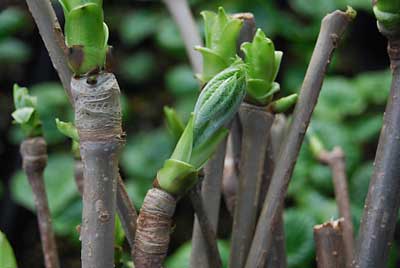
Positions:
{"x": 25, "y": 113}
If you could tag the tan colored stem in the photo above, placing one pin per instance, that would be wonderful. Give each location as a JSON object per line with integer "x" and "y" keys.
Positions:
{"x": 153, "y": 229}
{"x": 330, "y": 245}
{"x": 34, "y": 160}
{"x": 335, "y": 159}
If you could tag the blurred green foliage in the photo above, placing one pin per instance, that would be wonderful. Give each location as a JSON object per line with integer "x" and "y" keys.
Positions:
{"x": 153, "y": 71}
{"x": 13, "y": 50}
{"x": 7, "y": 258}
{"x": 181, "y": 257}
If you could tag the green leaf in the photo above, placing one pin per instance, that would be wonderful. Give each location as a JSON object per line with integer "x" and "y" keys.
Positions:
{"x": 86, "y": 35}
{"x": 68, "y": 129}
{"x": 174, "y": 123}
{"x": 263, "y": 64}
{"x": 183, "y": 149}
{"x": 22, "y": 98}
{"x": 23, "y": 115}
{"x": 203, "y": 152}
{"x": 221, "y": 32}
{"x": 177, "y": 177}
{"x": 7, "y": 258}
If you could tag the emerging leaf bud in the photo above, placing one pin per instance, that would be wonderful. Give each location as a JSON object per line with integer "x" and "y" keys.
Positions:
{"x": 25, "y": 113}
{"x": 221, "y": 33}
{"x": 86, "y": 35}
{"x": 263, "y": 66}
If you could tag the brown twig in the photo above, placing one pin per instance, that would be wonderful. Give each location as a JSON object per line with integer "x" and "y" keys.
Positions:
{"x": 335, "y": 159}
{"x": 53, "y": 38}
{"x": 256, "y": 125}
{"x": 125, "y": 209}
{"x": 277, "y": 256}
{"x": 383, "y": 199}
{"x": 98, "y": 121}
{"x": 34, "y": 158}
{"x": 329, "y": 244}
{"x": 183, "y": 17}
{"x": 211, "y": 195}
{"x": 332, "y": 27}
{"x": 51, "y": 33}
{"x": 153, "y": 229}
{"x": 208, "y": 233}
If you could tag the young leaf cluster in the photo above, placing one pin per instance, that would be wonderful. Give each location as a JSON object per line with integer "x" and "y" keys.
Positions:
{"x": 86, "y": 34}
{"x": 221, "y": 33}
{"x": 261, "y": 60}
{"x": 25, "y": 113}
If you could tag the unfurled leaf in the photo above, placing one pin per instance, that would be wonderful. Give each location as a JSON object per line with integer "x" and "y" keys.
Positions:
{"x": 221, "y": 32}
{"x": 86, "y": 34}
{"x": 263, "y": 64}
{"x": 23, "y": 115}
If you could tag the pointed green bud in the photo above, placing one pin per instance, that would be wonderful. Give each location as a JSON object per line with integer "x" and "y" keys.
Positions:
{"x": 86, "y": 35}
{"x": 25, "y": 113}
{"x": 174, "y": 123}
{"x": 263, "y": 65}
{"x": 218, "y": 102}
{"x": 221, "y": 33}
{"x": 283, "y": 104}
